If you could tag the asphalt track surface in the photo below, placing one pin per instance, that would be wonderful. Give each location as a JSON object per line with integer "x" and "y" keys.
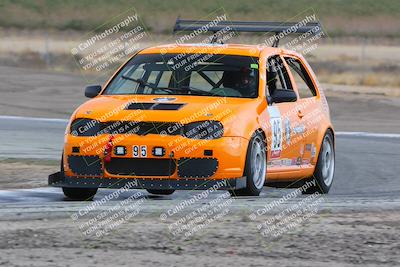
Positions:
{"x": 367, "y": 167}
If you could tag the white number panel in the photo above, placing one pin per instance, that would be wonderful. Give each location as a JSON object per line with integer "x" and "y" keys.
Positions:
{"x": 139, "y": 151}
{"x": 135, "y": 151}
{"x": 276, "y": 131}
{"x": 143, "y": 151}
{"x": 276, "y": 143}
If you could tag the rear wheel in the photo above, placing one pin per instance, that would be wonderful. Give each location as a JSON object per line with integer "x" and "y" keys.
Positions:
{"x": 325, "y": 169}
{"x": 79, "y": 193}
{"x": 161, "y": 191}
{"x": 255, "y": 168}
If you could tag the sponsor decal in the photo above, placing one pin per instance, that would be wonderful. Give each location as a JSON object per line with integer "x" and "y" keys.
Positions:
{"x": 275, "y": 154}
{"x": 286, "y": 162}
{"x": 313, "y": 150}
{"x": 299, "y": 129}
{"x": 254, "y": 66}
{"x": 308, "y": 147}
{"x": 276, "y": 127}
{"x": 301, "y": 150}
{"x": 281, "y": 162}
{"x": 287, "y": 130}
{"x": 276, "y": 163}
{"x": 298, "y": 161}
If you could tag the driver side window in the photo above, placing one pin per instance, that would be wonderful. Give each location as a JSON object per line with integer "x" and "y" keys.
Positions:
{"x": 277, "y": 76}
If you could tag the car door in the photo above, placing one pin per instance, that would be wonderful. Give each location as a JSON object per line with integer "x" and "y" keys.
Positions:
{"x": 284, "y": 146}
{"x": 308, "y": 106}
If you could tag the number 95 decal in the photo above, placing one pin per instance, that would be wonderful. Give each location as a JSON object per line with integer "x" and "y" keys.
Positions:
{"x": 139, "y": 151}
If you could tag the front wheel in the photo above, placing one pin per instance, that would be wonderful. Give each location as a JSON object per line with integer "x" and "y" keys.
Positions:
{"x": 74, "y": 193}
{"x": 255, "y": 168}
{"x": 79, "y": 193}
{"x": 325, "y": 169}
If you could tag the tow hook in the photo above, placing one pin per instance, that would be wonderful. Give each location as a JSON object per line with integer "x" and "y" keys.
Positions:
{"x": 108, "y": 149}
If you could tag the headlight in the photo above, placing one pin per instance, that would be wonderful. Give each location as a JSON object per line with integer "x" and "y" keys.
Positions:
{"x": 203, "y": 130}
{"x": 85, "y": 127}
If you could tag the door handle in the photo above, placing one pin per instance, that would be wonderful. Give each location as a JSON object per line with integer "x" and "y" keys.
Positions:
{"x": 300, "y": 114}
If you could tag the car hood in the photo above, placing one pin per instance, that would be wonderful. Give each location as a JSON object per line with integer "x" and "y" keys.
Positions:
{"x": 162, "y": 108}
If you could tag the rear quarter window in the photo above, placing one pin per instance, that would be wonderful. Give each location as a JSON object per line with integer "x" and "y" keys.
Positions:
{"x": 303, "y": 81}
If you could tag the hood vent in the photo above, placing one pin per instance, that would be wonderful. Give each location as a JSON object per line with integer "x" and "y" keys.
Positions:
{"x": 154, "y": 106}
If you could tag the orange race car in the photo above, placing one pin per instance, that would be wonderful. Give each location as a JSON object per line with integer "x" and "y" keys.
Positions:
{"x": 195, "y": 116}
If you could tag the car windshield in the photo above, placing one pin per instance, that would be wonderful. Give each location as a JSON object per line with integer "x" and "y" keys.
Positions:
{"x": 187, "y": 74}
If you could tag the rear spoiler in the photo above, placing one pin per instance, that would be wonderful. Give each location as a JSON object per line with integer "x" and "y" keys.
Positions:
{"x": 314, "y": 27}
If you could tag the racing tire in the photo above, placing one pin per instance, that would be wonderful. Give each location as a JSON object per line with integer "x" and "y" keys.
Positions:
{"x": 77, "y": 193}
{"x": 161, "y": 191}
{"x": 325, "y": 169}
{"x": 82, "y": 194}
{"x": 255, "y": 167}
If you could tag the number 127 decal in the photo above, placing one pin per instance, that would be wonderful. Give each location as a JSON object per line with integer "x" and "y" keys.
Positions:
{"x": 139, "y": 151}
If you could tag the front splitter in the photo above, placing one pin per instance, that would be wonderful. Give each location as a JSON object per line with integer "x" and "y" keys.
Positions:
{"x": 59, "y": 180}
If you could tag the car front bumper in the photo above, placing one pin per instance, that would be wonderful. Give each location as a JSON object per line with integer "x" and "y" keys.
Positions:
{"x": 184, "y": 158}
{"x": 59, "y": 180}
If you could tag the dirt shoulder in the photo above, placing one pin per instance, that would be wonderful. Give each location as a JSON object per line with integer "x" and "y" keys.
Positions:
{"x": 26, "y": 173}
{"x": 327, "y": 239}
{"x": 364, "y": 113}
{"x": 27, "y": 92}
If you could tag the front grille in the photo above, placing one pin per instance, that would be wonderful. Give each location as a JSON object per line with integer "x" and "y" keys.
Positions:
{"x": 85, "y": 165}
{"x": 141, "y": 167}
{"x": 197, "y": 167}
{"x": 142, "y": 127}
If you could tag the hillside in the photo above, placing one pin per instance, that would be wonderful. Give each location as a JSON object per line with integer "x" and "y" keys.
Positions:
{"x": 368, "y": 18}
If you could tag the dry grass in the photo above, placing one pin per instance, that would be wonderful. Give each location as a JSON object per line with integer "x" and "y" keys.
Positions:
{"x": 364, "y": 79}
{"x": 364, "y": 64}
{"x": 340, "y": 17}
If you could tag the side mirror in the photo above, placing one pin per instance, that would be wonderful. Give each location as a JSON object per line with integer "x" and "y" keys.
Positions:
{"x": 92, "y": 91}
{"x": 283, "y": 95}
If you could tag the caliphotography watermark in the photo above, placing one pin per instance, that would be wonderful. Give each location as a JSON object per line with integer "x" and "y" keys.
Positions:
{"x": 109, "y": 45}
{"x": 287, "y": 214}
{"x": 198, "y": 212}
{"x": 300, "y": 42}
{"x": 103, "y": 216}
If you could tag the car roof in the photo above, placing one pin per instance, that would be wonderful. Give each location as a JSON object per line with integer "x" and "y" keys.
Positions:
{"x": 229, "y": 49}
